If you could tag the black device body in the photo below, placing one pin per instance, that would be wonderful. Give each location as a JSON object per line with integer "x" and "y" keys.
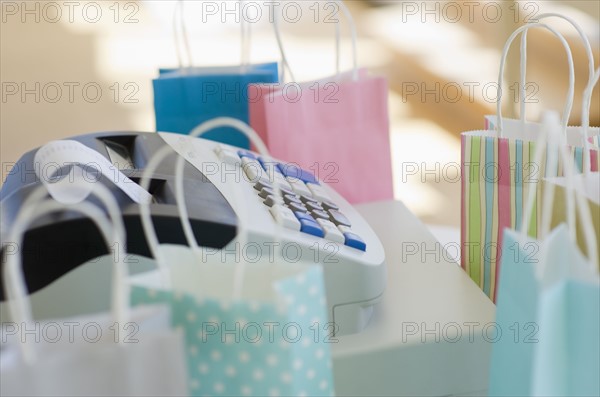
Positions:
{"x": 57, "y": 243}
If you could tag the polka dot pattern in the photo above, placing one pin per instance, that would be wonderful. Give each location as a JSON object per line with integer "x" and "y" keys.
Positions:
{"x": 254, "y": 348}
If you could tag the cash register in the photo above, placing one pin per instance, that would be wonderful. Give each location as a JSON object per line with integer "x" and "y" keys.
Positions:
{"x": 393, "y": 310}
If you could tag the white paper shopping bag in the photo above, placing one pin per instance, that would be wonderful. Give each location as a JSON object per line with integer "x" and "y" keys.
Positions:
{"x": 124, "y": 352}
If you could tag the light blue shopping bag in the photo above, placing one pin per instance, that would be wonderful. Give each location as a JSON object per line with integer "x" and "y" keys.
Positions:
{"x": 257, "y": 328}
{"x": 516, "y": 312}
{"x": 547, "y": 306}
{"x": 550, "y": 324}
{"x": 567, "y": 357}
{"x": 272, "y": 341}
{"x": 548, "y": 298}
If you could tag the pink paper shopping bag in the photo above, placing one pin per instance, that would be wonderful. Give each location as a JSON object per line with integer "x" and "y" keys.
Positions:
{"x": 343, "y": 139}
{"x": 337, "y": 128}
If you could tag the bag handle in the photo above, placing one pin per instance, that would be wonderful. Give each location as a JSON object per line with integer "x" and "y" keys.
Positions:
{"x": 353, "y": 31}
{"x": 147, "y": 223}
{"x": 548, "y": 118}
{"x": 574, "y": 187}
{"x": 240, "y": 201}
{"x": 178, "y": 19}
{"x": 14, "y": 282}
{"x": 570, "y": 93}
{"x": 523, "y": 63}
{"x": 574, "y": 200}
{"x": 585, "y": 122}
{"x": 586, "y": 104}
{"x": 246, "y": 35}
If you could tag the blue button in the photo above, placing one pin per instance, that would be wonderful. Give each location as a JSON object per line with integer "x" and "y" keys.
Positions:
{"x": 269, "y": 164}
{"x": 304, "y": 216}
{"x": 245, "y": 153}
{"x": 354, "y": 241}
{"x": 296, "y": 172}
{"x": 310, "y": 227}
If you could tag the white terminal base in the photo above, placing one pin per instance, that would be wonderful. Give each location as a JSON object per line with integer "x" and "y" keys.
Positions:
{"x": 412, "y": 345}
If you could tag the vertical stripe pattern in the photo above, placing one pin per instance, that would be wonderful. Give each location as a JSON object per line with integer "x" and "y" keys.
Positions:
{"x": 497, "y": 175}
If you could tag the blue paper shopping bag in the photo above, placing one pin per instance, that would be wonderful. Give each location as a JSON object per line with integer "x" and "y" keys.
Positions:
{"x": 549, "y": 322}
{"x": 548, "y": 296}
{"x": 567, "y": 360}
{"x": 516, "y": 315}
{"x": 258, "y": 328}
{"x": 187, "y": 97}
{"x": 271, "y": 341}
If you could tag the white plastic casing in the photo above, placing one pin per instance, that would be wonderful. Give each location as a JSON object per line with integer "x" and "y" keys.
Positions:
{"x": 354, "y": 280}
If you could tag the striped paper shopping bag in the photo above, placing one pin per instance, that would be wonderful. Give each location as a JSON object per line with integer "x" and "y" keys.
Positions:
{"x": 497, "y": 174}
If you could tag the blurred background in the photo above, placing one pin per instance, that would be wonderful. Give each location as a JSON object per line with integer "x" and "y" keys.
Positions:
{"x": 69, "y": 68}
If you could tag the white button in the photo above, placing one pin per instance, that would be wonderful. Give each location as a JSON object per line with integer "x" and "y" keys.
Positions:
{"x": 318, "y": 192}
{"x": 253, "y": 169}
{"x": 299, "y": 187}
{"x": 345, "y": 229}
{"x": 229, "y": 156}
{"x": 331, "y": 231}
{"x": 285, "y": 217}
{"x": 272, "y": 201}
{"x": 271, "y": 168}
{"x": 281, "y": 181}
{"x": 218, "y": 149}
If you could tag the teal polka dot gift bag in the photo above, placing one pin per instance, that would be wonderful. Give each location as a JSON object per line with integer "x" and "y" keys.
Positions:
{"x": 271, "y": 342}
{"x": 251, "y": 329}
